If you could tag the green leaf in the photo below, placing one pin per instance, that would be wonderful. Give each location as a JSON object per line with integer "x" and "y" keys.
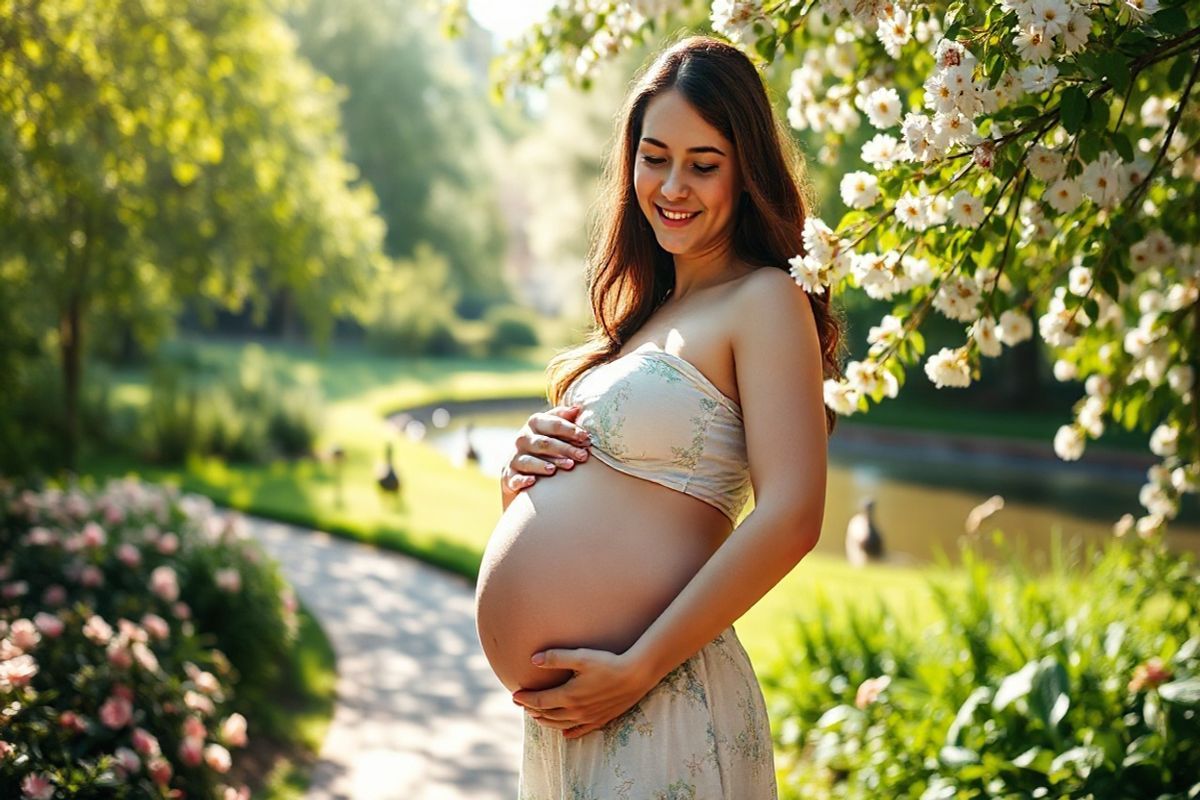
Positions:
{"x": 1098, "y": 111}
{"x": 1179, "y": 71}
{"x": 1074, "y": 107}
{"x": 1170, "y": 20}
{"x": 1114, "y": 68}
{"x": 1090, "y": 145}
{"x": 1120, "y": 143}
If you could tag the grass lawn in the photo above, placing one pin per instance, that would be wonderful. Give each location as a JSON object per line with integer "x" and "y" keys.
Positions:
{"x": 448, "y": 512}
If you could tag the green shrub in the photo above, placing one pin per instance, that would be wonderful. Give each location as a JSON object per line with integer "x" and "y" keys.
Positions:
{"x": 512, "y": 327}
{"x": 129, "y": 617}
{"x": 1063, "y": 685}
{"x": 245, "y": 413}
{"x": 413, "y": 308}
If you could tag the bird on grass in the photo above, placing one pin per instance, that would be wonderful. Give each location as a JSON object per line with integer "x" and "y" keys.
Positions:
{"x": 387, "y": 478}
{"x": 864, "y": 542}
{"x": 470, "y": 453}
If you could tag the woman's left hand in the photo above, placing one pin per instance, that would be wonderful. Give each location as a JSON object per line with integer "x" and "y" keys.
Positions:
{"x": 604, "y": 687}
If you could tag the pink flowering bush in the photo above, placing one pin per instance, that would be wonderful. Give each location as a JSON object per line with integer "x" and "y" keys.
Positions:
{"x": 128, "y": 617}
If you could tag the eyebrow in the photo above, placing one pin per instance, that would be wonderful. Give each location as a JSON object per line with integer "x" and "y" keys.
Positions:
{"x": 702, "y": 149}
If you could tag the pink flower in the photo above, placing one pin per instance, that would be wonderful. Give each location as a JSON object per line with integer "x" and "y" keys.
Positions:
{"x": 113, "y": 515}
{"x": 97, "y": 630}
{"x": 198, "y": 702}
{"x": 127, "y": 760}
{"x": 5, "y": 749}
{"x": 1148, "y": 675}
{"x": 119, "y": 655}
{"x": 160, "y": 770}
{"x": 194, "y": 727}
{"x": 70, "y": 721}
{"x": 41, "y": 537}
{"x": 116, "y": 712}
{"x": 217, "y": 758}
{"x": 233, "y": 730}
{"x": 229, "y": 580}
{"x": 240, "y": 793}
{"x": 156, "y": 626}
{"x": 15, "y": 589}
{"x": 191, "y": 751}
{"x": 165, "y": 584}
{"x": 145, "y": 742}
{"x": 37, "y": 787}
{"x": 129, "y": 555}
{"x": 181, "y": 611}
{"x": 145, "y": 657}
{"x": 25, "y": 634}
{"x": 55, "y": 595}
{"x": 91, "y": 576}
{"x": 50, "y": 625}
{"x": 870, "y": 689}
{"x": 167, "y": 544}
{"x": 93, "y": 535}
{"x": 17, "y": 672}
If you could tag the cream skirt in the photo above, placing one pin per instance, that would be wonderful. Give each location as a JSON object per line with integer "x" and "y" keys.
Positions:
{"x": 700, "y": 734}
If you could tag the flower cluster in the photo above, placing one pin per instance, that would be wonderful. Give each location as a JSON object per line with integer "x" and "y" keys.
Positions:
{"x": 104, "y": 679}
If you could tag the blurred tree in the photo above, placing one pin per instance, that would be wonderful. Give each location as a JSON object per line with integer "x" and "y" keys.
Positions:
{"x": 151, "y": 153}
{"x": 419, "y": 130}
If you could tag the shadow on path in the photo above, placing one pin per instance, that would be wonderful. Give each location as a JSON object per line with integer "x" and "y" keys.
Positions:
{"x": 419, "y": 714}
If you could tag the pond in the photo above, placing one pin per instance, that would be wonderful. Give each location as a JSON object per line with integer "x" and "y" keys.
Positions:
{"x": 923, "y": 493}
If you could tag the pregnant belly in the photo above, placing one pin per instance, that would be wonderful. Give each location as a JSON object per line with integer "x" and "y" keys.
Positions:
{"x": 588, "y": 557}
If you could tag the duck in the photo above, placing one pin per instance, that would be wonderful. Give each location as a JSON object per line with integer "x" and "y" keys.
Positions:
{"x": 387, "y": 479}
{"x": 470, "y": 453}
{"x": 864, "y": 542}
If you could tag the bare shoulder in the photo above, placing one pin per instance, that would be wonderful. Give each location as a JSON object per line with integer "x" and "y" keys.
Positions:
{"x": 770, "y": 298}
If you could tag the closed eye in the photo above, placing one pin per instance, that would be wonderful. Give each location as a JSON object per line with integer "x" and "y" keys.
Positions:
{"x": 704, "y": 169}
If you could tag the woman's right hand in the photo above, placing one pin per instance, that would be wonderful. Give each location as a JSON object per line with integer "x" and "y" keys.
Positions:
{"x": 549, "y": 441}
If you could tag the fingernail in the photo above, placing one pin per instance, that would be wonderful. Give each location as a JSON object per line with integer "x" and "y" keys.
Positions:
{"x": 579, "y": 453}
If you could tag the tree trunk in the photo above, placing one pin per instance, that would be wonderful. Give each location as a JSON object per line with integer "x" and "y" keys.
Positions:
{"x": 70, "y": 342}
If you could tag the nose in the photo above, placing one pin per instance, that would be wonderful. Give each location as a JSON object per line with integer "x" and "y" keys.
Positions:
{"x": 674, "y": 187}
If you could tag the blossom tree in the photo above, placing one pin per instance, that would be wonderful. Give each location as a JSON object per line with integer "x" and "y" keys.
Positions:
{"x": 1034, "y": 170}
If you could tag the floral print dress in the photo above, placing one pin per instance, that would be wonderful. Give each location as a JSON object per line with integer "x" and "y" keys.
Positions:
{"x": 700, "y": 734}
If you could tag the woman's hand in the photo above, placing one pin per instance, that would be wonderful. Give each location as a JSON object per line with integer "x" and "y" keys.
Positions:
{"x": 604, "y": 687}
{"x": 548, "y": 440}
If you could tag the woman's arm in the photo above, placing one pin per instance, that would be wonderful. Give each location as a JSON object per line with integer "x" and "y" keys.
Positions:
{"x": 777, "y": 355}
{"x": 780, "y": 382}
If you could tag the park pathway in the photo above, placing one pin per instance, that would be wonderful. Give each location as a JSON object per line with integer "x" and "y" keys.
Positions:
{"x": 419, "y": 715}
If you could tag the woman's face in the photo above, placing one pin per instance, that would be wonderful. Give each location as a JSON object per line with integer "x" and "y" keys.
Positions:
{"x": 683, "y": 164}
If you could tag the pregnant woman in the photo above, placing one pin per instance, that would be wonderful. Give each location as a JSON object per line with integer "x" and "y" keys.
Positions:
{"x": 607, "y": 596}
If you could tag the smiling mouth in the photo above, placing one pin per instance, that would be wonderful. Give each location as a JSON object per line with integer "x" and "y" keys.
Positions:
{"x": 674, "y": 218}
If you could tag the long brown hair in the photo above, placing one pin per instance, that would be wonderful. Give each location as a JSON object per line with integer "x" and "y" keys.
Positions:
{"x": 628, "y": 272}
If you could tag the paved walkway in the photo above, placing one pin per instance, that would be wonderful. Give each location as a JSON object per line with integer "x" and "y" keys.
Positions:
{"x": 419, "y": 716}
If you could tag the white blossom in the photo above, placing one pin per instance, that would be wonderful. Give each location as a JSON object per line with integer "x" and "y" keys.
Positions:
{"x": 910, "y": 210}
{"x": 1064, "y": 371}
{"x": 1064, "y": 196}
{"x": 1015, "y": 327}
{"x": 1141, "y": 9}
{"x": 949, "y": 367}
{"x": 1181, "y": 378}
{"x": 735, "y": 19}
{"x": 1079, "y": 280}
{"x": 984, "y": 333}
{"x": 958, "y": 299}
{"x": 1164, "y": 441}
{"x": 881, "y": 151}
{"x": 966, "y": 210}
{"x": 1032, "y": 43}
{"x": 859, "y": 189}
{"x": 1069, "y": 443}
{"x": 1103, "y": 180}
{"x": 883, "y": 108}
{"x": 840, "y": 397}
{"x": 1045, "y": 164}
